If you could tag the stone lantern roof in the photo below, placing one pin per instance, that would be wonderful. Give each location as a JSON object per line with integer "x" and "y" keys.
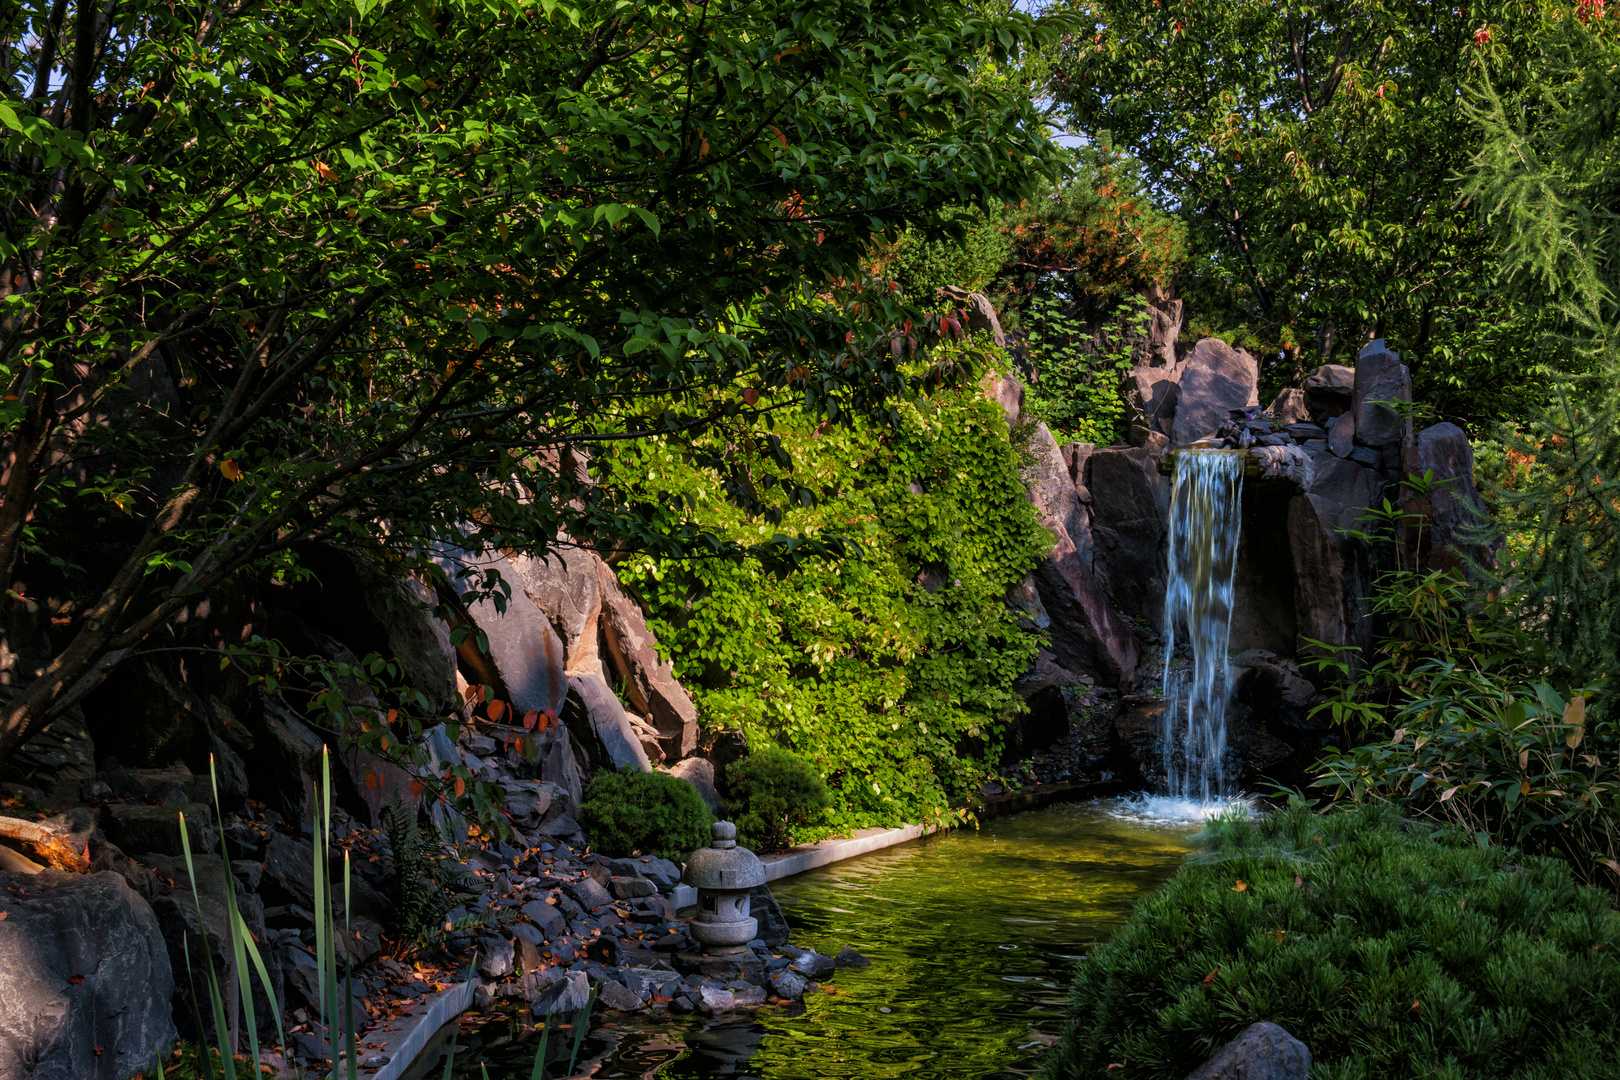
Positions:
{"x": 724, "y": 865}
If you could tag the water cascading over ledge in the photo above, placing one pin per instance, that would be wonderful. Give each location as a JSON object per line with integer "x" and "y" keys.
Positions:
{"x": 1205, "y": 502}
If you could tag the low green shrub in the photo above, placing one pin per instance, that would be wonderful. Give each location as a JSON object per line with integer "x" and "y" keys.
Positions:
{"x": 644, "y": 813}
{"x": 773, "y": 793}
{"x": 1389, "y": 949}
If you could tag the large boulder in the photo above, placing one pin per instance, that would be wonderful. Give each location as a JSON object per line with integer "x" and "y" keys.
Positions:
{"x": 1130, "y": 524}
{"x": 1329, "y": 392}
{"x": 1216, "y": 380}
{"x": 599, "y": 724}
{"x": 564, "y": 587}
{"x": 1290, "y": 408}
{"x": 1382, "y": 384}
{"x": 649, "y": 680}
{"x": 526, "y": 660}
{"x": 85, "y": 981}
{"x": 1455, "y": 511}
{"x": 1087, "y": 633}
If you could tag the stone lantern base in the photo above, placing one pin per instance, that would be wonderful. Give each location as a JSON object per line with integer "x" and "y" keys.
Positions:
{"x": 747, "y": 965}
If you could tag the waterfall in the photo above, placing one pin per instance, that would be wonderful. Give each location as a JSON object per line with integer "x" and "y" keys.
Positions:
{"x": 1204, "y": 522}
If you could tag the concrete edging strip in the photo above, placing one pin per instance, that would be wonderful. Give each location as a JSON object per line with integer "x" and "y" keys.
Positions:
{"x": 403, "y": 1047}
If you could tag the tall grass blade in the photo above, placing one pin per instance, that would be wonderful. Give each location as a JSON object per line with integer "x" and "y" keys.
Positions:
{"x": 348, "y": 978}
{"x": 205, "y": 1067}
{"x": 236, "y": 930}
{"x": 227, "y": 1059}
{"x": 450, "y": 1061}
{"x": 539, "y": 1072}
{"x": 579, "y": 1033}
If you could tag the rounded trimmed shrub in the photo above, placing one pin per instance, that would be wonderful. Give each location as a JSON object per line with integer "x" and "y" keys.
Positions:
{"x": 772, "y": 793}
{"x": 630, "y": 812}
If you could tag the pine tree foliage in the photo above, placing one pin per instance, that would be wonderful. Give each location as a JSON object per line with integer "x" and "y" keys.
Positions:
{"x": 1547, "y": 178}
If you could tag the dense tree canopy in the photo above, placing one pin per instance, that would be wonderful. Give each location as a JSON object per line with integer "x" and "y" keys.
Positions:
{"x": 1315, "y": 149}
{"x": 382, "y": 274}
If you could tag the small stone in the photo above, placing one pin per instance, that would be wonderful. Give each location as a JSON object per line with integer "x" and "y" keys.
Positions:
{"x": 848, "y": 957}
{"x": 495, "y": 956}
{"x": 714, "y": 1001}
{"x": 617, "y": 996}
{"x": 749, "y": 997}
{"x": 1261, "y": 1052}
{"x": 630, "y": 888}
{"x": 588, "y": 893}
{"x": 681, "y": 1003}
{"x": 788, "y": 985}
{"x": 549, "y": 920}
{"x": 567, "y": 994}
{"x": 813, "y": 965}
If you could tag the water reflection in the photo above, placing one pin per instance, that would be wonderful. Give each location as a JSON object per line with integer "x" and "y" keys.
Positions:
{"x": 973, "y": 938}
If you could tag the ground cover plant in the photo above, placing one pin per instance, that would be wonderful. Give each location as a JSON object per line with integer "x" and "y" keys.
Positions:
{"x": 890, "y": 673}
{"x": 1391, "y": 949}
{"x": 771, "y": 794}
{"x": 644, "y": 813}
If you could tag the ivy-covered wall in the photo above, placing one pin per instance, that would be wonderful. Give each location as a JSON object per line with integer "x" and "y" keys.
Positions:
{"x": 892, "y": 673}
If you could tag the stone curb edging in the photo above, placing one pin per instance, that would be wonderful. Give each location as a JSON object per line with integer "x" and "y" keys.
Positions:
{"x": 402, "y": 1047}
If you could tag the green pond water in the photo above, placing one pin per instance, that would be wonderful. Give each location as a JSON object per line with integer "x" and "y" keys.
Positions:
{"x": 974, "y": 937}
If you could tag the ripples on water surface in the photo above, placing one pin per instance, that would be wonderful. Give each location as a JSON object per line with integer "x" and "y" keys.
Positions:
{"x": 973, "y": 938}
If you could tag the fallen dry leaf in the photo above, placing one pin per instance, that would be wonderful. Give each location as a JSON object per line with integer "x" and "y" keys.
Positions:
{"x": 1240, "y": 886}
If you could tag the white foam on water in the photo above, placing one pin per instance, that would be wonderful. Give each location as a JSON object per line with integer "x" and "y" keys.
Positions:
{"x": 1170, "y": 809}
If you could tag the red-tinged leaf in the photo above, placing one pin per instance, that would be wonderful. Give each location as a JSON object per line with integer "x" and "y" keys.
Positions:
{"x": 530, "y": 719}
{"x": 383, "y": 742}
{"x": 781, "y": 138}
{"x": 461, "y": 787}
{"x": 1416, "y": 1008}
{"x": 1209, "y": 980}
{"x": 1299, "y": 882}
{"x": 393, "y": 714}
{"x": 417, "y": 787}
{"x": 230, "y": 470}
{"x": 751, "y": 395}
{"x": 496, "y": 708}
{"x": 76, "y": 980}
{"x": 372, "y": 783}
{"x": 324, "y": 171}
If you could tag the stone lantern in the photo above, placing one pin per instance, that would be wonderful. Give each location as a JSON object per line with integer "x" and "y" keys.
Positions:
{"x": 723, "y": 875}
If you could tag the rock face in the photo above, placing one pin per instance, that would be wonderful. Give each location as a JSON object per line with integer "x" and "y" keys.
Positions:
{"x": 85, "y": 982}
{"x": 1455, "y": 511}
{"x": 599, "y": 723}
{"x": 1131, "y": 502}
{"x": 1217, "y": 379}
{"x": 1261, "y": 1052}
{"x": 1381, "y": 378}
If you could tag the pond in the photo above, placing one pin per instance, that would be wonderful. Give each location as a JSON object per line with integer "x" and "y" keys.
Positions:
{"x": 973, "y": 937}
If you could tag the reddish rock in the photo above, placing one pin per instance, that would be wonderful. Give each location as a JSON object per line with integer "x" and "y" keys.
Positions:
{"x": 1216, "y": 380}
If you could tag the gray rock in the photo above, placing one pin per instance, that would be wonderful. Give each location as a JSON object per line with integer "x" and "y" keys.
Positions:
{"x": 649, "y": 680}
{"x": 981, "y": 318}
{"x": 848, "y": 957}
{"x": 496, "y": 956}
{"x": 1456, "y": 511}
{"x": 1216, "y": 380}
{"x": 1342, "y": 434}
{"x": 773, "y": 925}
{"x": 1024, "y": 601}
{"x": 546, "y": 918}
{"x": 1261, "y": 1052}
{"x": 748, "y": 996}
{"x": 1290, "y": 408}
{"x": 1006, "y": 391}
{"x": 529, "y": 801}
{"x": 1053, "y": 492}
{"x": 588, "y": 893}
{"x": 1302, "y": 432}
{"x": 699, "y": 772}
{"x": 631, "y": 888}
{"x": 1380, "y": 376}
{"x": 1288, "y": 463}
{"x": 82, "y": 966}
{"x": 1367, "y": 456}
{"x": 1131, "y": 514}
{"x": 661, "y": 872}
{"x": 617, "y": 996}
{"x": 1329, "y": 391}
{"x": 597, "y": 720}
{"x": 567, "y": 994}
{"x": 714, "y": 1001}
{"x": 813, "y": 965}
{"x": 139, "y": 828}
{"x": 788, "y": 985}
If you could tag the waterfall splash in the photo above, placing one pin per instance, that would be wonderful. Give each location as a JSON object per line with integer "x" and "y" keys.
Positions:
{"x": 1204, "y": 522}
